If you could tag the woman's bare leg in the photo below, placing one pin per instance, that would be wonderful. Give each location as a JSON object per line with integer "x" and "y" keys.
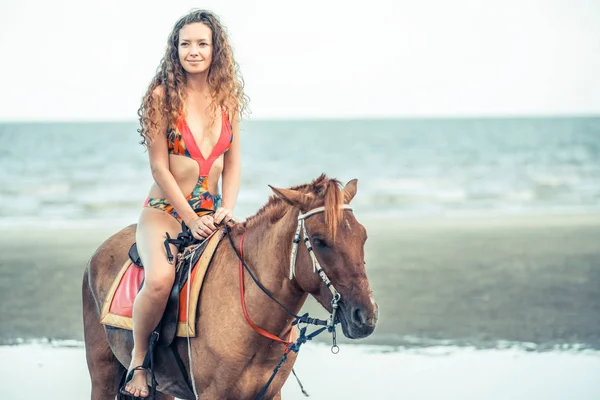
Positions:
{"x": 159, "y": 276}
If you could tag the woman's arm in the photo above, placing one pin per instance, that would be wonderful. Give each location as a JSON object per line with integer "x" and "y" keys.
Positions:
{"x": 232, "y": 169}
{"x": 159, "y": 163}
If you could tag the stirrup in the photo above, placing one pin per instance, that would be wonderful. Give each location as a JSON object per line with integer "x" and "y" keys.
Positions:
{"x": 128, "y": 379}
{"x": 148, "y": 366}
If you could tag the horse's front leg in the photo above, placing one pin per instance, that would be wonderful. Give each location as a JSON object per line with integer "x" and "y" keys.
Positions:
{"x": 277, "y": 396}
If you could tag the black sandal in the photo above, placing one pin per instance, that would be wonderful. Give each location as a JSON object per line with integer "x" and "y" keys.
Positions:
{"x": 129, "y": 378}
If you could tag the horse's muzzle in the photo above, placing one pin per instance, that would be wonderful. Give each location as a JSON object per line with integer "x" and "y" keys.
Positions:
{"x": 358, "y": 321}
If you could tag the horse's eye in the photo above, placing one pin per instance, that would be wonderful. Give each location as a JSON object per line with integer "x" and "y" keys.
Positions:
{"x": 318, "y": 242}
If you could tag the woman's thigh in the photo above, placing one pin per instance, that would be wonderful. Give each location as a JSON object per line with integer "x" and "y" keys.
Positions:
{"x": 150, "y": 238}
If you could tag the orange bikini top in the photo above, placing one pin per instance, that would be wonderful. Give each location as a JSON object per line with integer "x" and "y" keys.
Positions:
{"x": 181, "y": 142}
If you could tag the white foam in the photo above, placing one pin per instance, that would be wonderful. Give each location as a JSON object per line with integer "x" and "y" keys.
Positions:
{"x": 53, "y": 371}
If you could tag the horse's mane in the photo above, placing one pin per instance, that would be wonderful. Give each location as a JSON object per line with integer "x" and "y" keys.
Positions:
{"x": 322, "y": 188}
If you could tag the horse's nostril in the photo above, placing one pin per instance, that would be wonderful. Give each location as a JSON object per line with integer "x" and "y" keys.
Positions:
{"x": 359, "y": 316}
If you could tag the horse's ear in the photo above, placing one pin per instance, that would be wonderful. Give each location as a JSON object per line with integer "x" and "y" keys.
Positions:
{"x": 350, "y": 190}
{"x": 293, "y": 197}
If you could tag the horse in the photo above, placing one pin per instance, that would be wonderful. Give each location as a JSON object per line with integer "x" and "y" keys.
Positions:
{"x": 230, "y": 360}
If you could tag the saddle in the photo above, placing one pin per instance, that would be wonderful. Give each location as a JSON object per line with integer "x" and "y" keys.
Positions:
{"x": 192, "y": 261}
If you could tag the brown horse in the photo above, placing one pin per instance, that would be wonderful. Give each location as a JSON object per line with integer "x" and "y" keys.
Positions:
{"x": 230, "y": 360}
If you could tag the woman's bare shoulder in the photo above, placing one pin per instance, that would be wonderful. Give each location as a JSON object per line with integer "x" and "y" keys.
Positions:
{"x": 232, "y": 111}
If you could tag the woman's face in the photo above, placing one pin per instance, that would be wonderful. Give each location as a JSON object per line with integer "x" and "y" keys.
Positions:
{"x": 195, "y": 47}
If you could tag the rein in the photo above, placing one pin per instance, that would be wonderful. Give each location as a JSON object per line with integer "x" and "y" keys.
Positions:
{"x": 328, "y": 325}
{"x": 257, "y": 328}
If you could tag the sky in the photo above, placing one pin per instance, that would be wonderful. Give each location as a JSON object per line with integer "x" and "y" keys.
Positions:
{"x": 93, "y": 60}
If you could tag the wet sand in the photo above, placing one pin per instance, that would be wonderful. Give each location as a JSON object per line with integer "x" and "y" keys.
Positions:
{"x": 475, "y": 281}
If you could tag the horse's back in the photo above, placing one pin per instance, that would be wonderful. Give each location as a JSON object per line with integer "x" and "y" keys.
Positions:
{"x": 107, "y": 261}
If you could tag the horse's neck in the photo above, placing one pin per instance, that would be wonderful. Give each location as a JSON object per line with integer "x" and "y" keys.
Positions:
{"x": 267, "y": 249}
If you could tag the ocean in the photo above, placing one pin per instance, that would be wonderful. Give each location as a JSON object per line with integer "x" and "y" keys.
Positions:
{"x": 74, "y": 173}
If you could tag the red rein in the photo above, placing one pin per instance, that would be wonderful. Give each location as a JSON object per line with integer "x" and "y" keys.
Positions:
{"x": 257, "y": 328}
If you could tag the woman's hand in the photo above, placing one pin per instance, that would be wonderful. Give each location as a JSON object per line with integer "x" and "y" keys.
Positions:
{"x": 202, "y": 227}
{"x": 222, "y": 214}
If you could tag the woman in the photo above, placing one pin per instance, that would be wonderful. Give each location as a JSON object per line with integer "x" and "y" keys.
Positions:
{"x": 189, "y": 123}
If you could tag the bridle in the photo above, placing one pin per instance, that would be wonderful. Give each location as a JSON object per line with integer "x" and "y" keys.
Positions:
{"x": 316, "y": 265}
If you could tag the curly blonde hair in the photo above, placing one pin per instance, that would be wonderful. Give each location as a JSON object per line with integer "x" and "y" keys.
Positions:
{"x": 224, "y": 79}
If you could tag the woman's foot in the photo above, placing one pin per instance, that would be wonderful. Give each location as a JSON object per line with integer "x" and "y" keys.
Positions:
{"x": 138, "y": 385}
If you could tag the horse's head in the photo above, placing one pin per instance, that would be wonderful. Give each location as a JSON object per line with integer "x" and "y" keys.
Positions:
{"x": 337, "y": 240}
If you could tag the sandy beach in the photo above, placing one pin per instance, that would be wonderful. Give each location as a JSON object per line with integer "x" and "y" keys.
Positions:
{"x": 477, "y": 281}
